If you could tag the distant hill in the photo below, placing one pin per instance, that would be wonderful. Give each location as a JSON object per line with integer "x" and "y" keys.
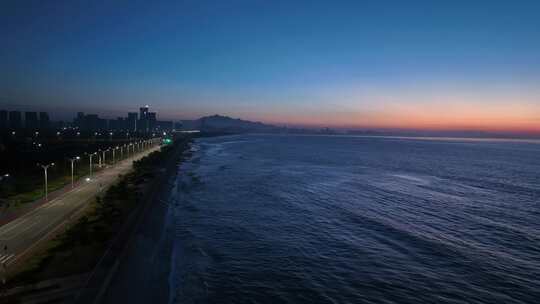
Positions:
{"x": 219, "y": 123}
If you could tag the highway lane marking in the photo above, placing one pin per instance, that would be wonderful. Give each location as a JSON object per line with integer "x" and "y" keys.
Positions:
{"x": 107, "y": 178}
{"x": 23, "y": 230}
{"x": 14, "y": 224}
{"x": 5, "y": 258}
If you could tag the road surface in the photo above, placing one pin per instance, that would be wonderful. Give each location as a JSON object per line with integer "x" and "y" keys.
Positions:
{"x": 20, "y": 235}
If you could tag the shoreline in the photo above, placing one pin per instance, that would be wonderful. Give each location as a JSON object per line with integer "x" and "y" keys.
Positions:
{"x": 143, "y": 270}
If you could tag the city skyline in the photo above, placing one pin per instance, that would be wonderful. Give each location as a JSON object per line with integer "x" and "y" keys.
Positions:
{"x": 415, "y": 65}
{"x": 144, "y": 121}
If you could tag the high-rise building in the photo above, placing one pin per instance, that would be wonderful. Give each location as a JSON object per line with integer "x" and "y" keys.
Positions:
{"x": 144, "y": 124}
{"x": 91, "y": 122}
{"x": 15, "y": 119}
{"x": 44, "y": 121}
{"x": 143, "y": 112}
{"x": 79, "y": 120}
{"x": 151, "y": 121}
{"x": 31, "y": 120}
{"x": 3, "y": 119}
{"x": 117, "y": 124}
{"x": 132, "y": 122}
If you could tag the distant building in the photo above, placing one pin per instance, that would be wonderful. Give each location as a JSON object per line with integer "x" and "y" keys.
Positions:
{"x": 151, "y": 121}
{"x": 143, "y": 112}
{"x": 44, "y": 120}
{"x": 15, "y": 120}
{"x": 131, "y": 122}
{"x": 163, "y": 126}
{"x": 91, "y": 122}
{"x": 144, "y": 123}
{"x": 117, "y": 124}
{"x": 3, "y": 119}
{"x": 79, "y": 120}
{"x": 121, "y": 121}
{"x": 31, "y": 120}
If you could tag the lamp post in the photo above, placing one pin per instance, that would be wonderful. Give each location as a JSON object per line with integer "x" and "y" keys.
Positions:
{"x": 45, "y": 167}
{"x": 99, "y": 157}
{"x": 104, "y": 156}
{"x": 90, "y": 157}
{"x": 72, "y": 160}
{"x": 113, "y": 157}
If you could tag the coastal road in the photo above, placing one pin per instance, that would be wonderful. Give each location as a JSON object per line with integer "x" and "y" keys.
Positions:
{"x": 20, "y": 235}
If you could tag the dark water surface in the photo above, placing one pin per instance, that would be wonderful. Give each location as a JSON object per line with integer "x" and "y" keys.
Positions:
{"x": 315, "y": 219}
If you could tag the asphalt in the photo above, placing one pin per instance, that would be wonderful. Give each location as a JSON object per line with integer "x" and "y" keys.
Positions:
{"x": 19, "y": 236}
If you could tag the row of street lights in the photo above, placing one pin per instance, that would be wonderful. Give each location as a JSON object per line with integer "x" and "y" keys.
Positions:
{"x": 139, "y": 145}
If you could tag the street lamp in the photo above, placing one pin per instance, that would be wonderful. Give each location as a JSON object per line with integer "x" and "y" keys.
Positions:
{"x": 45, "y": 167}
{"x": 90, "y": 157}
{"x": 113, "y": 158}
{"x": 104, "y": 164}
{"x": 3, "y": 176}
{"x": 72, "y": 160}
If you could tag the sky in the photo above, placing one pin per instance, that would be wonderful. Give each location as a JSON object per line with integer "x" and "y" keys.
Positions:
{"x": 437, "y": 65}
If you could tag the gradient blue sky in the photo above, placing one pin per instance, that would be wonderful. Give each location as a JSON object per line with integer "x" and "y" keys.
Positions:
{"x": 405, "y": 64}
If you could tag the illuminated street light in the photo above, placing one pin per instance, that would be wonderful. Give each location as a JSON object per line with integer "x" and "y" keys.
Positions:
{"x": 4, "y": 176}
{"x": 90, "y": 157}
{"x": 103, "y": 152}
{"x": 113, "y": 158}
{"x": 72, "y": 160}
{"x": 45, "y": 167}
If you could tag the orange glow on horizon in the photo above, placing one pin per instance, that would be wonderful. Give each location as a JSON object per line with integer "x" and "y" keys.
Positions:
{"x": 520, "y": 118}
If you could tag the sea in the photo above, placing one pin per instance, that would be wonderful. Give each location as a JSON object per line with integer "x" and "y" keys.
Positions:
{"x": 350, "y": 219}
